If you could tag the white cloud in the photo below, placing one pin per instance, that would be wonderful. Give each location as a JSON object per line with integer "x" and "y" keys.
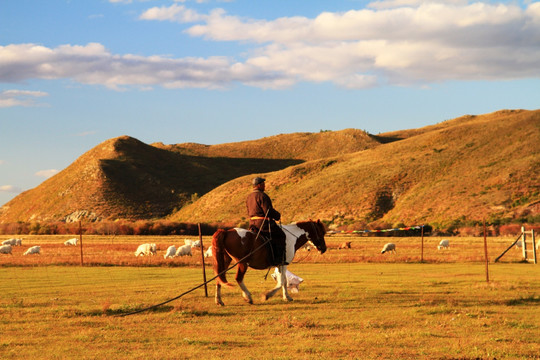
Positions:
{"x": 10, "y": 189}
{"x": 389, "y": 4}
{"x": 398, "y": 42}
{"x": 10, "y": 98}
{"x": 425, "y": 42}
{"x": 93, "y": 64}
{"x": 174, "y": 13}
{"x": 46, "y": 173}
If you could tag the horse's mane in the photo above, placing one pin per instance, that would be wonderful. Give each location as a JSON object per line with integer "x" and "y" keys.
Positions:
{"x": 318, "y": 225}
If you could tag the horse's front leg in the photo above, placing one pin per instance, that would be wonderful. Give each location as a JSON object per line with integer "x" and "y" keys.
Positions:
{"x": 281, "y": 284}
{"x": 283, "y": 272}
{"x": 242, "y": 268}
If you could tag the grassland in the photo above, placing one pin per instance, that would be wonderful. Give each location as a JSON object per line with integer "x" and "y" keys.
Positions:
{"x": 353, "y": 304}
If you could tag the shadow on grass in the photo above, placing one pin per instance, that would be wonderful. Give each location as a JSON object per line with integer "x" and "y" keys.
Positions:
{"x": 531, "y": 300}
{"x": 138, "y": 310}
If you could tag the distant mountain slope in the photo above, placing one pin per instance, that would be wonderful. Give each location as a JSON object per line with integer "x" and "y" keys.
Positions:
{"x": 303, "y": 146}
{"x": 125, "y": 178}
{"x": 469, "y": 168}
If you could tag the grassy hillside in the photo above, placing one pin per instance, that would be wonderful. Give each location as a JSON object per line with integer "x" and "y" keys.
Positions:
{"x": 470, "y": 168}
{"x": 125, "y": 178}
{"x": 466, "y": 169}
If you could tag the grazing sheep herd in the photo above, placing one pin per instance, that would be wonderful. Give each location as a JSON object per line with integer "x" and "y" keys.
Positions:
{"x": 148, "y": 249}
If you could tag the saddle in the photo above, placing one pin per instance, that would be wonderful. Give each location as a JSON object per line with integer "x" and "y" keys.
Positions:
{"x": 276, "y": 253}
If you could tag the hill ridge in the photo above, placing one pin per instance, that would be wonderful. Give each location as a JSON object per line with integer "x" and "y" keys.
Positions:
{"x": 465, "y": 168}
{"x": 449, "y": 173}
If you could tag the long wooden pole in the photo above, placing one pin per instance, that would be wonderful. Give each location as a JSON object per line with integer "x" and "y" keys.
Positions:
{"x": 422, "y": 254}
{"x": 486, "y": 252}
{"x": 203, "y": 264}
{"x": 80, "y": 241}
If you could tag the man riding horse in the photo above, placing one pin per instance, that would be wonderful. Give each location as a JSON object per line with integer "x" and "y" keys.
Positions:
{"x": 262, "y": 220}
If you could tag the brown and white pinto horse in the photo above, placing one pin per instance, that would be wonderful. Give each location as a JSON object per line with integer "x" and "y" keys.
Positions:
{"x": 244, "y": 247}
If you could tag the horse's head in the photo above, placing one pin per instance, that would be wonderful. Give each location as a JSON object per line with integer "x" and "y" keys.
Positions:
{"x": 316, "y": 231}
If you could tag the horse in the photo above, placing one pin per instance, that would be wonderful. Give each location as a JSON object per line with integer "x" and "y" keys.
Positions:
{"x": 249, "y": 250}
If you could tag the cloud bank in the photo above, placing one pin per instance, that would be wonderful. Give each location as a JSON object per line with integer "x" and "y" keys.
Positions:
{"x": 10, "y": 189}
{"x": 25, "y": 98}
{"x": 396, "y": 42}
{"x": 46, "y": 173}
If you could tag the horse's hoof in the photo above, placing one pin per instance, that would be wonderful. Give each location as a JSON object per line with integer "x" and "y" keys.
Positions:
{"x": 264, "y": 297}
{"x": 219, "y": 303}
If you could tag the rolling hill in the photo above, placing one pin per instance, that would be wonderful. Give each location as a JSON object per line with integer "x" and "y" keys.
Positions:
{"x": 464, "y": 169}
{"x": 300, "y": 146}
{"x": 123, "y": 178}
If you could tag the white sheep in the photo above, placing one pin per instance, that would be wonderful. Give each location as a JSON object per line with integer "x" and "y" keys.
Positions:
{"x": 519, "y": 245}
{"x": 19, "y": 242}
{"x": 293, "y": 281}
{"x": 5, "y": 249}
{"x": 171, "y": 252}
{"x": 444, "y": 244}
{"x": 345, "y": 245}
{"x": 389, "y": 247}
{"x": 184, "y": 250}
{"x": 146, "y": 249}
{"x": 33, "y": 250}
{"x": 71, "y": 242}
{"x": 11, "y": 242}
{"x": 208, "y": 252}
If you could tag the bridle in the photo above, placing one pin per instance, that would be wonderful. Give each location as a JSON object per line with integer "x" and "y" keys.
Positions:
{"x": 316, "y": 239}
{"x": 316, "y": 233}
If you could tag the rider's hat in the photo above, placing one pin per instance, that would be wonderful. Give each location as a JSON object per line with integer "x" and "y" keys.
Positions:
{"x": 256, "y": 181}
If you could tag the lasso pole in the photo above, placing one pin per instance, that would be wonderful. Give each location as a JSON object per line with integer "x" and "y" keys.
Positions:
{"x": 200, "y": 285}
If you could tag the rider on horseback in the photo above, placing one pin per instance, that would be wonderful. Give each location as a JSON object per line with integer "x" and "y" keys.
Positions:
{"x": 259, "y": 205}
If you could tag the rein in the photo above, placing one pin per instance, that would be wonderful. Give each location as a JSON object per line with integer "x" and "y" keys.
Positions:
{"x": 198, "y": 286}
{"x": 206, "y": 282}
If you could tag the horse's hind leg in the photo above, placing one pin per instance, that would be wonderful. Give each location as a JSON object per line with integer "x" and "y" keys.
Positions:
{"x": 242, "y": 268}
{"x": 218, "y": 295}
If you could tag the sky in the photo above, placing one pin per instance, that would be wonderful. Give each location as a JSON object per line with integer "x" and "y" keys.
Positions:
{"x": 75, "y": 73}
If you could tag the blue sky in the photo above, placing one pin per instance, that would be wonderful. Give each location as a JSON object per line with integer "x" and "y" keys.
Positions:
{"x": 76, "y": 73}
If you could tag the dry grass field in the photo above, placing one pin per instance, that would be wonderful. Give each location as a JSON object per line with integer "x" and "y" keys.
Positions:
{"x": 119, "y": 250}
{"x": 354, "y": 304}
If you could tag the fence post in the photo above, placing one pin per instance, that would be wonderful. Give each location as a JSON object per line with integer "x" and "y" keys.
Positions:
{"x": 486, "y": 252}
{"x": 80, "y": 241}
{"x": 524, "y": 243}
{"x": 203, "y": 264}
{"x": 533, "y": 245}
{"x": 422, "y": 253}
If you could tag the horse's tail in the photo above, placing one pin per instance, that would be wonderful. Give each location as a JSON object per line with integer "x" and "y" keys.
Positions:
{"x": 218, "y": 248}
